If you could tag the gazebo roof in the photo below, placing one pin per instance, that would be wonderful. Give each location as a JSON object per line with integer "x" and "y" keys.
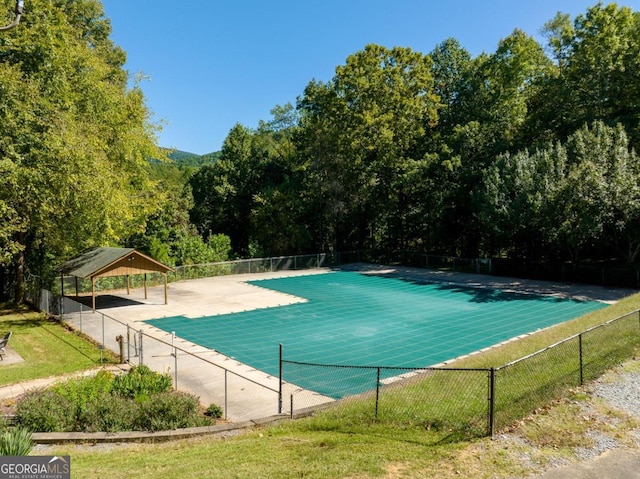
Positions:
{"x": 101, "y": 262}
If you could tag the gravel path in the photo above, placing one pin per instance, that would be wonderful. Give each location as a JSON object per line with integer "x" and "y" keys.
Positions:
{"x": 608, "y": 458}
{"x": 623, "y": 393}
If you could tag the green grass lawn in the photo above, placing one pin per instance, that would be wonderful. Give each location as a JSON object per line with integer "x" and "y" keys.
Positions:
{"x": 47, "y": 347}
{"x": 316, "y": 449}
{"x": 329, "y": 445}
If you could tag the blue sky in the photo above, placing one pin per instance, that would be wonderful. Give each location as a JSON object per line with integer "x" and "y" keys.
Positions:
{"x": 214, "y": 63}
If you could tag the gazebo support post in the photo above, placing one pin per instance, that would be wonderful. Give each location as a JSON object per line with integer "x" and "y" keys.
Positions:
{"x": 93, "y": 293}
{"x": 76, "y": 278}
{"x": 145, "y": 286}
{"x": 128, "y": 286}
{"x": 62, "y": 284}
{"x": 166, "y": 292}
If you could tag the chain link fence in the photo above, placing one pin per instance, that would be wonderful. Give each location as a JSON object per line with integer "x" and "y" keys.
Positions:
{"x": 525, "y": 384}
{"x": 467, "y": 402}
{"x": 240, "y": 390}
{"x": 254, "y": 265}
{"x": 604, "y": 273}
{"x": 443, "y": 399}
{"x": 185, "y": 272}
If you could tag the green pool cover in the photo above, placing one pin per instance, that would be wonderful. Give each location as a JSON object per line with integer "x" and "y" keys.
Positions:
{"x": 357, "y": 319}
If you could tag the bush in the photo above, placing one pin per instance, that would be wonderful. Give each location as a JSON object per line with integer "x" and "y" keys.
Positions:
{"x": 214, "y": 411}
{"x": 109, "y": 414}
{"x": 170, "y": 411}
{"x": 16, "y": 442}
{"x": 138, "y": 400}
{"x": 82, "y": 391}
{"x": 45, "y": 410}
{"x": 141, "y": 381}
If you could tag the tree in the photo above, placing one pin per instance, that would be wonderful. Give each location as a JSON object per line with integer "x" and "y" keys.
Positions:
{"x": 580, "y": 198}
{"x": 484, "y": 112}
{"x": 75, "y": 136}
{"x": 225, "y": 192}
{"x": 598, "y": 59}
{"x": 361, "y": 128}
{"x": 607, "y": 188}
{"x": 279, "y": 225}
{"x": 169, "y": 236}
{"x": 518, "y": 203}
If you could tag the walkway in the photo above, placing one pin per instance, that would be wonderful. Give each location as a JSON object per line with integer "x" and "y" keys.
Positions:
{"x": 244, "y": 392}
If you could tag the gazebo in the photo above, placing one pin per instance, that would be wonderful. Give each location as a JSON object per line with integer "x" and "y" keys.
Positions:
{"x": 103, "y": 262}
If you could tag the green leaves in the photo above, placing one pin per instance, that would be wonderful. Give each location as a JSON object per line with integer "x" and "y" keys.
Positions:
{"x": 568, "y": 197}
{"x": 77, "y": 137}
{"x": 599, "y": 72}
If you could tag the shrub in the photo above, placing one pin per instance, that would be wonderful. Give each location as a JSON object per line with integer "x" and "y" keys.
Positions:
{"x": 214, "y": 411}
{"x": 81, "y": 391}
{"x": 170, "y": 411}
{"x": 109, "y": 414}
{"x": 45, "y": 410}
{"x": 141, "y": 381}
{"x": 16, "y": 442}
{"x": 138, "y": 400}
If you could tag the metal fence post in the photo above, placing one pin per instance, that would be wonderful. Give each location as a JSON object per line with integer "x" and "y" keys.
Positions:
{"x": 226, "y": 373}
{"x": 492, "y": 401}
{"x": 140, "y": 358}
{"x": 175, "y": 359}
{"x": 128, "y": 343}
{"x": 102, "y": 345}
{"x": 581, "y": 359}
{"x": 377, "y": 391}
{"x": 280, "y": 382}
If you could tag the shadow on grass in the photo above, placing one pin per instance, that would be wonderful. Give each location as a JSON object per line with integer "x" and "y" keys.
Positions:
{"x": 412, "y": 435}
{"x": 91, "y": 344}
{"x": 21, "y": 320}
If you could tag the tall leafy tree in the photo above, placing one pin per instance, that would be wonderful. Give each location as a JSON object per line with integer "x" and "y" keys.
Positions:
{"x": 279, "y": 221}
{"x": 225, "y": 192}
{"x": 604, "y": 205}
{"x": 598, "y": 59}
{"x": 485, "y": 115}
{"x": 517, "y": 208}
{"x": 362, "y": 127}
{"x": 574, "y": 200}
{"x": 73, "y": 133}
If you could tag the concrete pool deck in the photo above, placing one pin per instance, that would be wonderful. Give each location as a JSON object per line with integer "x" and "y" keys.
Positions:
{"x": 244, "y": 392}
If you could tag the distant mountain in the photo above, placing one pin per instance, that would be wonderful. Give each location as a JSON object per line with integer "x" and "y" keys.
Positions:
{"x": 184, "y": 158}
{"x": 178, "y": 155}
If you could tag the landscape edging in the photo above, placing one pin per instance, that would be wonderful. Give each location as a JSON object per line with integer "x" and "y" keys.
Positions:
{"x": 144, "y": 436}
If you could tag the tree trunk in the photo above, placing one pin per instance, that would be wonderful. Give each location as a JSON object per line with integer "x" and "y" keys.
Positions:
{"x": 19, "y": 285}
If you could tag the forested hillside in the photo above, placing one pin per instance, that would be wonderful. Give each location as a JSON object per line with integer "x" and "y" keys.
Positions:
{"x": 527, "y": 152}
{"x": 185, "y": 159}
{"x": 75, "y": 144}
